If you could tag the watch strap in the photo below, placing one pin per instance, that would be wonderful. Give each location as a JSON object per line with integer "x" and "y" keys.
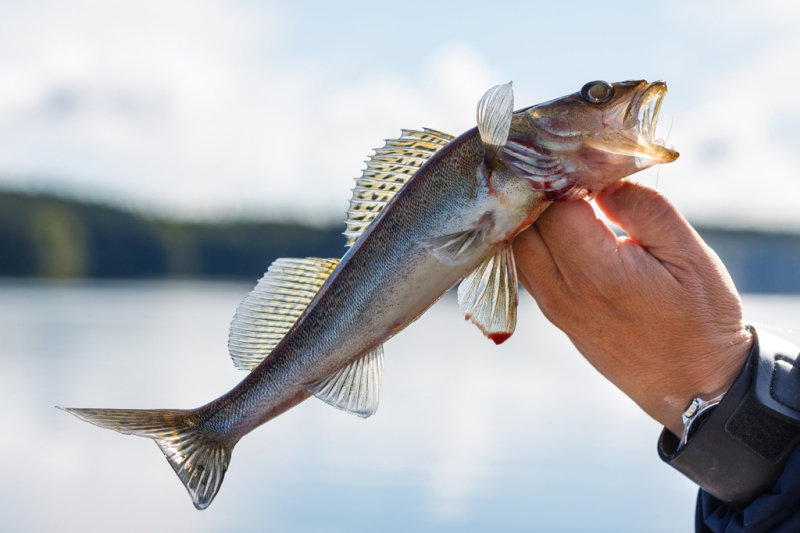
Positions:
{"x": 738, "y": 449}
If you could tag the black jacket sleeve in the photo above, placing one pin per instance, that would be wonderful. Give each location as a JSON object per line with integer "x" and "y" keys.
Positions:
{"x": 744, "y": 452}
{"x": 777, "y": 511}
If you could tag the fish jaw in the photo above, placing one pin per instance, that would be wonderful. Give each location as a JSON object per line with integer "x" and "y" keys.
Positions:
{"x": 633, "y": 127}
{"x": 580, "y": 147}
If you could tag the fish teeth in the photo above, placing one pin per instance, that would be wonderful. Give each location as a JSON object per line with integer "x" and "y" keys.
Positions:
{"x": 644, "y": 119}
{"x": 648, "y": 118}
{"x": 656, "y": 111}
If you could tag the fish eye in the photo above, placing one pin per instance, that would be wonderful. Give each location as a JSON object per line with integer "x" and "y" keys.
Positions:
{"x": 597, "y": 92}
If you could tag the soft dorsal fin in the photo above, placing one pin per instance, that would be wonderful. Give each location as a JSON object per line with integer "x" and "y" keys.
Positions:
{"x": 273, "y": 306}
{"x": 488, "y": 297}
{"x": 387, "y": 171}
{"x": 355, "y": 388}
{"x": 494, "y": 120}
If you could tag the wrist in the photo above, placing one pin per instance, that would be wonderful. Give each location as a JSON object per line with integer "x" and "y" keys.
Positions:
{"x": 724, "y": 367}
{"x": 714, "y": 376}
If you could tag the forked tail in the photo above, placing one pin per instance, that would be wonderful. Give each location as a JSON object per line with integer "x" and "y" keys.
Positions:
{"x": 200, "y": 458}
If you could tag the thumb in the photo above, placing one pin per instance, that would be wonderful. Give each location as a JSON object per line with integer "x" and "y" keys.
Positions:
{"x": 649, "y": 218}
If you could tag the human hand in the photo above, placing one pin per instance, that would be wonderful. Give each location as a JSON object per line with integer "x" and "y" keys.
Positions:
{"x": 656, "y": 312}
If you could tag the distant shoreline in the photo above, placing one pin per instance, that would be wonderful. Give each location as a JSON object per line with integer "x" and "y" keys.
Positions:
{"x": 45, "y": 236}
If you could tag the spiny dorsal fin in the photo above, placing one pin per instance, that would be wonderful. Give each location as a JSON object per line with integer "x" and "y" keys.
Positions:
{"x": 387, "y": 171}
{"x": 273, "y": 306}
{"x": 494, "y": 120}
{"x": 355, "y": 388}
{"x": 488, "y": 297}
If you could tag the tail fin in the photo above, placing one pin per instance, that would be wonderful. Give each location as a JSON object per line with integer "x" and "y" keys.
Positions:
{"x": 199, "y": 457}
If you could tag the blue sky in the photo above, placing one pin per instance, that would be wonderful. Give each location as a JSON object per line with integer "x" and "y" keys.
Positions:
{"x": 268, "y": 109}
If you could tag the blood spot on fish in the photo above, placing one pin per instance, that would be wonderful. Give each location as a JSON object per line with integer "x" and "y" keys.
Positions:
{"x": 499, "y": 338}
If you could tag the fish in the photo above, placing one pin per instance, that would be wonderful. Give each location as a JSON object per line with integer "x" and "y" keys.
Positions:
{"x": 429, "y": 211}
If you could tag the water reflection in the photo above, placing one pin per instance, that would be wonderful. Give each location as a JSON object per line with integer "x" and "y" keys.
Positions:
{"x": 468, "y": 437}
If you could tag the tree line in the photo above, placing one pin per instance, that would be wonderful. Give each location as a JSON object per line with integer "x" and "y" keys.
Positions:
{"x": 46, "y": 236}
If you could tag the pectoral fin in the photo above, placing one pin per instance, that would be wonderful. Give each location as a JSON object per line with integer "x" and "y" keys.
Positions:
{"x": 494, "y": 120}
{"x": 355, "y": 388}
{"x": 488, "y": 297}
{"x": 456, "y": 249}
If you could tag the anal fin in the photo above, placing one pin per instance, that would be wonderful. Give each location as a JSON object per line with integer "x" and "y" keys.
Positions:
{"x": 488, "y": 297}
{"x": 355, "y": 388}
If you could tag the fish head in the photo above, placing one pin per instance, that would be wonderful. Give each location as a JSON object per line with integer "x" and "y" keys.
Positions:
{"x": 576, "y": 145}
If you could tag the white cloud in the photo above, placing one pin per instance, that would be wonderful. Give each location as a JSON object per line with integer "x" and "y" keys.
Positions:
{"x": 741, "y": 146}
{"x": 188, "y": 107}
{"x": 203, "y": 108}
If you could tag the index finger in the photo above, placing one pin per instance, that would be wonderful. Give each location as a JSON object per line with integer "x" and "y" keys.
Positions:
{"x": 577, "y": 239}
{"x": 650, "y": 219}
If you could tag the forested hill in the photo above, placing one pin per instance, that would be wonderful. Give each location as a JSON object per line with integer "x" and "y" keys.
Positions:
{"x": 48, "y": 236}
{"x": 51, "y": 237}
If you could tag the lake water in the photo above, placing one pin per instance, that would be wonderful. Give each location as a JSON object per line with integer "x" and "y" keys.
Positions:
{"x": 468, "y": 437}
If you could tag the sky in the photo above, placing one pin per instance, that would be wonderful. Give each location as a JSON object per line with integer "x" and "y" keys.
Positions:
{"x": 224, "y": 109}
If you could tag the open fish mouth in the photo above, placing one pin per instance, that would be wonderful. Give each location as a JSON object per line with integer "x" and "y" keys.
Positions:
{"x": 630, "y": 122}
{"x": 645, "y": 108}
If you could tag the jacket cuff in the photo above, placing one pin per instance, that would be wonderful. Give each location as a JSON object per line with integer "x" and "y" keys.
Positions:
{"x": 738, "y": 450}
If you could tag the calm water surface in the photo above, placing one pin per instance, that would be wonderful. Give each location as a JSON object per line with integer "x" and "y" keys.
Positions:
{"x": 468, "y": 437}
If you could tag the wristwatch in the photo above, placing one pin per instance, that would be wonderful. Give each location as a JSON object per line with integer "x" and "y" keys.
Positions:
{"x": 696, "y": 412}
{"x": 735, "y": 446}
